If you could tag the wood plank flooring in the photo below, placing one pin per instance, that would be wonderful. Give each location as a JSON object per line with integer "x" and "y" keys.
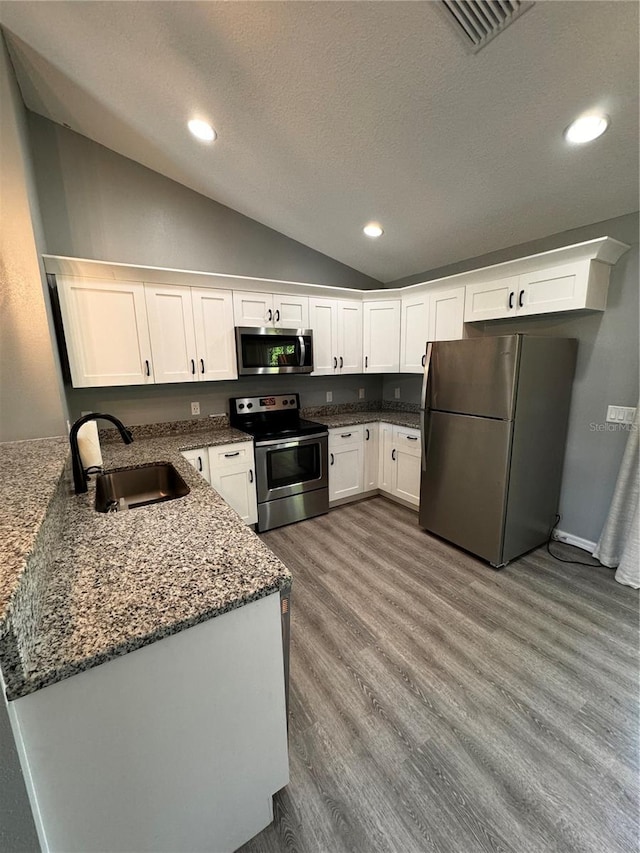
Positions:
{"x": 439, "y": 705}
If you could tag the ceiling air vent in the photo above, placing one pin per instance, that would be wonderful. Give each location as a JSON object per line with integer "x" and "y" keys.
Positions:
{"x": 478, "y": 21}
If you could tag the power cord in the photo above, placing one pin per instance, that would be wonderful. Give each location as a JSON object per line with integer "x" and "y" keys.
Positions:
{"x": 597, "y": 565}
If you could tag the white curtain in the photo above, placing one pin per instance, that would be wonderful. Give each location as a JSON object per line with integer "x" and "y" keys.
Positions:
{"x": 618, "y": 543}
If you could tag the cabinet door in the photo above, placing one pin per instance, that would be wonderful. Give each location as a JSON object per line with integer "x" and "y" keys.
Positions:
{"x": 349, "y": 336}
{"x": 173, "y": 341}
{"x": 446, "y": 315}
{"x": 106, "y": 332}
{"x": 371, "y": 456}
{"x": 561, "y": 288}
{"x": 346, "y": 471}
{"x": 290, "y": 312}
{"x": 414, "y": 331}
{"x": 200, "y": 460}
{"x": 236, "y": 485}
{"x": 323, "y": 321}
{"x": 252, "y": 309}
{"x": 386, "y": 470}
{"x": 382, "y": 336}
{"x": 491, "y": 300}
{"x": 215, "y": 339}
{"x": 407, "y": 476}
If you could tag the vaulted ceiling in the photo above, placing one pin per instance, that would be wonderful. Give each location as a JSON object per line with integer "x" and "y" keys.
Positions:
{"x": 331, "y": 114}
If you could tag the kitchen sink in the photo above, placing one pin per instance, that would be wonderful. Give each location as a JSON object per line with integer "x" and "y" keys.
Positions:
{"x": 134, "y": 487}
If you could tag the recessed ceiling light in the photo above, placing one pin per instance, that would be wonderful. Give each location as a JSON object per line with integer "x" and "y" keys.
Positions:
{"x": 373, "y": 229}
{"x": 201, "y": 130}
{"x": 586, "y": 128}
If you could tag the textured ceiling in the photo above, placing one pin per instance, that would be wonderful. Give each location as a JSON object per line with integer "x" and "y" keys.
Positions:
{"x": 330, "y": 114}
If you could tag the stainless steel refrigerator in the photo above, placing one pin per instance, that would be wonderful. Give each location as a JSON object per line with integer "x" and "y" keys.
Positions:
{"x": 494, "y": 425}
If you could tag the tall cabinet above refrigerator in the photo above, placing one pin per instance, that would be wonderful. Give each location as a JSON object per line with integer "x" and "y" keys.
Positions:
{"x": 494, "y": 428}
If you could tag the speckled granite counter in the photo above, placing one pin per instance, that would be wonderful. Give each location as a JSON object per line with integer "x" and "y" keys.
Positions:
{"x": 80, "y": 587}
{"x": 388, "y": 416}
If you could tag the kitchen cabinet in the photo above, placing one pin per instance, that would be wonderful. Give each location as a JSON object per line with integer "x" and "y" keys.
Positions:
{"x": 337, "y": 336}
{"x": 232, "y": 471}
{"x": 414, "y": 332}
{"x": 200, "y": 460}
{"x": 381, "y": 336}
{"x": 399, "y": 470}
{"x": 106, "y": 332}
{"x": 446, "y": 315}
{"x": 191, "y": 332}
{"x": 371, "y": 456}
{"x": 567, "y": 287}
{"x": 346, "y": 462}
{"x": 270, "y": 309}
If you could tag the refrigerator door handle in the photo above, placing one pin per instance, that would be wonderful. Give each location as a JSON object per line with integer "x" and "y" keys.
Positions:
{"x": 423, "y": 405}
{"x": 425, "y": 380}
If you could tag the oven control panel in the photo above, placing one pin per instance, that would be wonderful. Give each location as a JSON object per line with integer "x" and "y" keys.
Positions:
{"x": 260, "y": 405}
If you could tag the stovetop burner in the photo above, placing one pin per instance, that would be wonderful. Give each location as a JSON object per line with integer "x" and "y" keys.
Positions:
{"x": 271, "y": 417}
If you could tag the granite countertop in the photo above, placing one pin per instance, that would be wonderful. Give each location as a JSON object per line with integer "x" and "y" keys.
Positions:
{"x": 84, "y": 587}
{"x": 388, "y": 416}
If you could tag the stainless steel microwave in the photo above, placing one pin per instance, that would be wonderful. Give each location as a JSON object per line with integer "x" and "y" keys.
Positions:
{"x": 267, "y": 350}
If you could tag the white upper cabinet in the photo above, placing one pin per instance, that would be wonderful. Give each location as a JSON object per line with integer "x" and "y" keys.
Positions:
{"x": 173, "y": 341}
{"x": 337, "y": 335}
{"x": 215, "y": 342}
{"x": 446, "y": 315}
{"x": 268, "y": 309}
{"x": 414, "y": 332}
{"x": 106, "y": 333}
{"x": 382, "y": 336}
{"x": 568, "y": 287}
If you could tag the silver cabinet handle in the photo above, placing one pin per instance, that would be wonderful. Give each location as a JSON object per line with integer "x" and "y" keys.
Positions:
{"x": 393, "y": 454}
{"x": 250, "y": 475}
{"x": 228, "y": 455}
{"x": 345, "y": 435}
{"x": 332, "y": 460}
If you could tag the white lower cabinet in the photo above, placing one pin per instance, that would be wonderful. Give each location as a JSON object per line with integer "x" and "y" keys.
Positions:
{"x": 200, "y": 460}
{"x": 232, "y": 471}
{"x": 346, "y": 462}
{"x": 371, "y": 456}
{"x": 399, "y": 469}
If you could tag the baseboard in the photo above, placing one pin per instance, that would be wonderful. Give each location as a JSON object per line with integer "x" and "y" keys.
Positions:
{"x": 570, "y": 539}
{"x": 364, "y": 496}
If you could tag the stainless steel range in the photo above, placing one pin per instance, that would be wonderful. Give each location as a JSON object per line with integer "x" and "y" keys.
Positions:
{"x": 291, "y": 454}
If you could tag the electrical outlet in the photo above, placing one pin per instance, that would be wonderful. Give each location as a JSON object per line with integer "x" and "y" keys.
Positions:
{"x": 620, "y": 414}
{"x": 396, "y": 393}
{"x": 329, "y": 396}
{"x": 195, "y": 408}
{"x": 360, "y": 393}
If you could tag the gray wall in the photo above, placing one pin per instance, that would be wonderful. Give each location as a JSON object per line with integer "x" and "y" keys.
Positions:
{"x": 31, "y": 398}
{"x": 98, "y": 204}
{"x": 154, "y": 403}
{"x": 607, "y": 371}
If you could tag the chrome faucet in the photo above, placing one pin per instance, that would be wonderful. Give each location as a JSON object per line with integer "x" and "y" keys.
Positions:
{"x": 79, "y": 475}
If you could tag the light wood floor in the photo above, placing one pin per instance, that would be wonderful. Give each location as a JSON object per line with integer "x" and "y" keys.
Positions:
{"x": 440, "y": 705}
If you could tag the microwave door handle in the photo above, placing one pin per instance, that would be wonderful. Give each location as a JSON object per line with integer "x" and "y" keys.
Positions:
{"x": 303, "y": 350}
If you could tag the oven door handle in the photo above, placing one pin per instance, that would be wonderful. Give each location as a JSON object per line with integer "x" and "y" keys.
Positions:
{"x": 292, "y": 442}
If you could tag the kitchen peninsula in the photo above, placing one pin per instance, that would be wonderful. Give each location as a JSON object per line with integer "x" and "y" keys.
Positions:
{"x": 138, "y": 682}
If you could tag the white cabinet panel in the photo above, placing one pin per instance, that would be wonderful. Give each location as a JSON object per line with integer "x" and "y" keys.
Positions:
{"x": 200, "y": 460}
{"x": 214, "y": 331}
{"x": 173, "y": 341}
{"x": 252, "y": 309}
{"x": 414, "y": 332}
{"x": 400, "y": 463}
{"x": 323, "y": 321}
{"x": 446, "y": 315}
{"x": 371, "y": 456}
{"x": 556, "y": 289}
{"x": 233, "y": 477}
{"x": 349, "y": 336}
{"x": 346, "y": 471}
{"x": 106, "y": 332}
{"x": 386, "y": 468}
{"x": 290, "y": 312}
{"x": 382, "y": 336}
{"x": 491, "y": 300}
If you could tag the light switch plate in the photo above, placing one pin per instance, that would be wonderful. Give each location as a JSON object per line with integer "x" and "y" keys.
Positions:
{"x": 620, "y": 414}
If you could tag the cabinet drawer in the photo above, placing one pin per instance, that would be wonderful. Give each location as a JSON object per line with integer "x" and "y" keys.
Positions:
{"x": 346, "y": 435}
{"x": 407, "y": 439}
{"x": 226, "y": 455}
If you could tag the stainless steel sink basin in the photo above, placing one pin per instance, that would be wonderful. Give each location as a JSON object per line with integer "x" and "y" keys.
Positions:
{"x": 134, "y": 487}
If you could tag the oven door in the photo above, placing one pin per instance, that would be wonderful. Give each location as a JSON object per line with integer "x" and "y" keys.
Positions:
{"x": 266, "y": 350}
{"x": 285, "y": 468}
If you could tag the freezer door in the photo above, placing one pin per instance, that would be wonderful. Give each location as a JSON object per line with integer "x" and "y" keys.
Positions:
{"x": 476, "y": 376}
{"x": 464, "y": 482}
